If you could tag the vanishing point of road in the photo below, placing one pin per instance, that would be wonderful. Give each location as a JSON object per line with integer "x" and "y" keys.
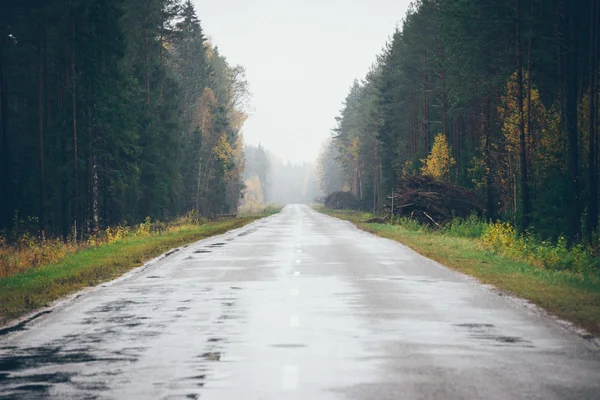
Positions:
{"x": 295, "y": 306}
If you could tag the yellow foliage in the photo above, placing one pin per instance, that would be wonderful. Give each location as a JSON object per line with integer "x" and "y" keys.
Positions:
{"x": 204, "y": 116}
{"x": 499, "y": 236}
{"x": 223, "y": 150}
{"x": 117, "y": 233}
{"x": 253, "y": 197}
{"x": 439, "y": 162}
{"x": 144, "y": 229}
{"x": 29, "y": 252}
{"x": 542, "y": 141}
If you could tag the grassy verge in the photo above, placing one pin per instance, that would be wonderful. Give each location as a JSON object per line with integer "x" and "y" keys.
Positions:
{"x": 26, "y": 291}
{"x": 572, "y": 296}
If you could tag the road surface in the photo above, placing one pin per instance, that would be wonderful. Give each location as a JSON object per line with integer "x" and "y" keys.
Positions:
{"x": 296, "y": 306}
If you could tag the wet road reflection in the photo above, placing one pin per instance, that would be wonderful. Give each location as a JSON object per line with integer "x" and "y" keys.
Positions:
{"x": 296, "y": 306}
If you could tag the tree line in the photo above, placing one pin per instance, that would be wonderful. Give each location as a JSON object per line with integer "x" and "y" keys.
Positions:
{"x": 112, "y": 111}
{"x": 269, "y": 179}
{"x": 508, "y": 92}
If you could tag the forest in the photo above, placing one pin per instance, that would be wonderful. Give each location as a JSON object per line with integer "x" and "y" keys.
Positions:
{"x": 113, "y": 111}
{"x": 499, "y": 97}
{"x": 269, "y": 179}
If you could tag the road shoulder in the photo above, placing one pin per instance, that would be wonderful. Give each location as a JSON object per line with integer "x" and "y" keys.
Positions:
{"x": 26, "y": 296}
{"x": 575, "y": 305}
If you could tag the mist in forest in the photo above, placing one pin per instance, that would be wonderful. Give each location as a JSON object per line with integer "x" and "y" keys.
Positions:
{"x": 270, "y": 179}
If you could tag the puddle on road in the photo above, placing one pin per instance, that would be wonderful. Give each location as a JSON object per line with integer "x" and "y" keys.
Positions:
{"x": 154, "y": 277}
{"x": 212, "y": 356}
{"x": 215, "y": 340}
{"x": 475, "y": 326}
{"x": 202, "y": 251}
{"x": 167, "y": 254}
{"x": 217, "y": 244}
{"x": 288, "y": 345}
{"x": 113, "y": 306}
{"x": 225, "y": 317}
{"x": 22, "y": 325}
{"x": 488, "y": 333}
{"x": 19, "y": 370}
{"x": 248, "y": 232}
{"x": 199, "y": 380}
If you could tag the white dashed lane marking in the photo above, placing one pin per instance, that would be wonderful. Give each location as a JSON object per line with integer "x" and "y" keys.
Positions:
{"x": 289, "y": 378}
{"x": 294, "y": 321}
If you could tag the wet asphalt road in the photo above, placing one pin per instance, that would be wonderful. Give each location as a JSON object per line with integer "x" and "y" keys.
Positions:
{"x": 295, "y": 306}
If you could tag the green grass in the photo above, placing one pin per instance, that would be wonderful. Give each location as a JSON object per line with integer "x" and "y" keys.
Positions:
{"x": 568, "y": 295}
{"x": 25, "y": 292}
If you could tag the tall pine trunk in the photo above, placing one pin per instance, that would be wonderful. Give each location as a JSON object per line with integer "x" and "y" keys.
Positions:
{"x": 524, "y": 223}
{"x": 491, "y": 209}
{"x": 592, "y": 215}
{"x": 529, "y": 137}
{"x": 147, "y": 50}
{"x": 426, "y": 144}
{"x": 77, "y": 219}
{"x": 567, "y": 75}
{"x": 5, "y": 213}
{"x": 41, "y": 216}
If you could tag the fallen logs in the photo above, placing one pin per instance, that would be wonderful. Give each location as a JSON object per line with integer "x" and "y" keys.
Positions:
{"x": 432, "y": 202}
{"x": 341, "y": 201}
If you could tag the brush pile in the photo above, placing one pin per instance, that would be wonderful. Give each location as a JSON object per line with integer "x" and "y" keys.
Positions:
{"x": 433, "y": 202}
{"x": 341, "y": 201}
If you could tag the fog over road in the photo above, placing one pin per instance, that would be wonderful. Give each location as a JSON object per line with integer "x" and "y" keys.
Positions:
{"x": 296, "y": 306}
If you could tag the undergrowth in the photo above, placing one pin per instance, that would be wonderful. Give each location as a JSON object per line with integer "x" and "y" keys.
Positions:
{"x": 29, "y": 252}
{"x": 503, "y": 238}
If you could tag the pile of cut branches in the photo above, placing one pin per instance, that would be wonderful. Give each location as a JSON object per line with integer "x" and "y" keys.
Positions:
{"x": 433, "y": 202}
{"x": 342, "y": 201}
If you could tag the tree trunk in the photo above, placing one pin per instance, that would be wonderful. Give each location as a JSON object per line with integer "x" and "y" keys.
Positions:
{"x": 5, "y": 213}
{"x": 444, "y": 124}
{"x": 147, "y": 70}
{"x": 569, "y": 90}
{"x": 42, "y": 219}
{"x": 93, "y": 177}
{"x": 592, "y": 220}
{"x": 529, "y": 137}
{"x": 76, "y": 222}
{"x": 491, "y": 209}
{"x": 425, "y": 122}
{"x": 522, "y": 142}
{"x": 199, "y": 181}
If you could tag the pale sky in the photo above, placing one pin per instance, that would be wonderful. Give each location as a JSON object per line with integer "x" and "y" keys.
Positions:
{"x": 301, "y": 57}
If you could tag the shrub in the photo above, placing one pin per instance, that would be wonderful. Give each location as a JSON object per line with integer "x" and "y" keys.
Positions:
{"x": 470, "y": 227}
{"x": 408, "y": 223}
{"x": 503, "y": 238}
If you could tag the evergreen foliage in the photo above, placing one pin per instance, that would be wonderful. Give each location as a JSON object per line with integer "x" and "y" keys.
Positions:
{"x": 512, "y": 87}
{"x": 112, "y": 111}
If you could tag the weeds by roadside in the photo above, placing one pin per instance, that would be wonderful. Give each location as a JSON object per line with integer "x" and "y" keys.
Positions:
{"x": 29, "y": 252}
{"x": 502, "y": 238}
{"x": 72, "y": 266}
